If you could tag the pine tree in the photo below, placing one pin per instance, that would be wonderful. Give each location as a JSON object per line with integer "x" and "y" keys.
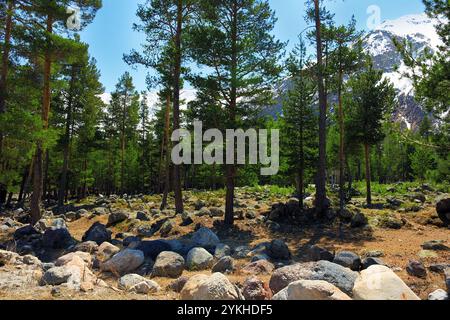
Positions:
{"x": 368, "y": 101}
{"x": 300, "y": 117}
{"x": 234, "y": 41}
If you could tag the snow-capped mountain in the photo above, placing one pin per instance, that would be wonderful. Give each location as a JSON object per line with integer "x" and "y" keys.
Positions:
{"x": 420, "y": 31}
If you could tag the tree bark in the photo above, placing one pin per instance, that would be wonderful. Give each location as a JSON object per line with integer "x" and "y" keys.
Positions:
{"x": 176, "y": 104}
{"x": 230, "y": 169}
{"x": 321, "y": 194}
{"x": 167, "y": 151}
{"x": 37, "y": 170}
{"x": 341, "y": 146}
{"x": 368, "y": 174}
{"x": 67, "y": 137}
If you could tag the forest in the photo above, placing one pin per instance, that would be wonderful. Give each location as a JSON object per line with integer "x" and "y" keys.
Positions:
{"x": 62, "y": 142}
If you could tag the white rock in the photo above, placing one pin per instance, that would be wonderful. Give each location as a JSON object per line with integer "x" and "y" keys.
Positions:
{"x": 381, "y": 283}
{"x": 124, "y": 262}
{"x": 312, "y": 290}
{"x": 214, "y": 287}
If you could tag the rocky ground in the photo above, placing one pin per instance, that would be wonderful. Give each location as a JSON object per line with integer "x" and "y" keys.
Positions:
{"x": 126, "y": 248}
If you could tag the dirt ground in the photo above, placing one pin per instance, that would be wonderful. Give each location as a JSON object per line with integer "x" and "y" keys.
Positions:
{"x": 398, "y": 247}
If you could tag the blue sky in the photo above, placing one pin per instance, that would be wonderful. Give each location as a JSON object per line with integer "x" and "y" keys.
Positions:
{"x": 111, "y": 34}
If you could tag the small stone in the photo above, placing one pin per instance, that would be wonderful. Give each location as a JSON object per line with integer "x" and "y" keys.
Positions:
{"x": 224, "y": 265}
{"x": 316, "y": 253}
{"x": 255, "y": 289}
{"x": 142, "y": 216}
{"x": 241, "y": 252}
{"x": 438, "y": 295}
{"x": 138, "y": 284}
{"x": 439, "y": 267}
{"x": 367, "y": 262}
{"x": 178, "y": 284}
{"x": 166, "y": 228}
{"x": 222, "y": 250}
{"x": 416, "y": 269}
{"x": 106, "y": 251}
{"x": 259, "y": 267}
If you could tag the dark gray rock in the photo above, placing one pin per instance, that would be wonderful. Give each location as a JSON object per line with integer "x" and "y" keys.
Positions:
{"x": 222, "y": 250}
{"x": 348, "y": 259}
{"x": 57, "y": 239}
{"x": 367, "y": 262}
{"x": 316, "y": 253}
{"x": 128, "y": 240}
{"x": 152, "y": 249}
{"x": 439, "y": 267}
{"x": 117, "y": 217}
{"x": 143, "y": 216}
{"x": 416, "y": 269}
{"x": 97, "y": 233}
{"x": 224, "y": 265}
{"x": 24, "y": 232}
{"x": 435, "y": 245}
{"x": 279, "y": 250}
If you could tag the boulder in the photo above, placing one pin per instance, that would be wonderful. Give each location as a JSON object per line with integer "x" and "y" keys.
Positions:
{"x": 341, "y": 277}
{"x": 214, "y": 287}
{"x": 205, "y": 238}
{"x": 311, "y": 290}
{"x": 316, "y": 253}
{"x": 381, "y": 283}
{"x": 88, "y": 246}
{"x": 138, "y": 284}
{"x": 57, "y": 239}
{"x": 348, "y": 259}
{"x": 199, "y": 259}
{"x": 124, "y": 262}
{"x": 241, "y": 252}
{"x": 70, "y": 257}
{"x": 255, "y": 289}
{"x": 117, "y": 217}
{"x": 278, "y": 250}
{"x": 152, "y": 249}
{"x": 59, "y": 275}
{"x": 224, "y": 265}
{"x": 222, "y": 250}
{"x": 435, "y": 245}
{"x": 24, "y": 232}
{"x": 168, "y": 264}
{"x": 106, "y": 251}
{"x": 97, "y": 233}
{"x": 258, "y": 267}
{"x": 416, "y": 269}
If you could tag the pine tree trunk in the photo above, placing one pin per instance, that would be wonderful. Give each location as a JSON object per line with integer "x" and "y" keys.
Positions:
{"x": 321, "y": 173}
{"x": 45, "y": 179}
{"x": 5, "y": 65}
{"x": 167, "y": 151}
{"x": 67, "y": 137}
{"x": 341, "y": 146}
{"x": 368, "y": 174}
{"x": 38, "y": 170}
{"x": 176, "y": 105}
{"x": 230, "y": 169}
